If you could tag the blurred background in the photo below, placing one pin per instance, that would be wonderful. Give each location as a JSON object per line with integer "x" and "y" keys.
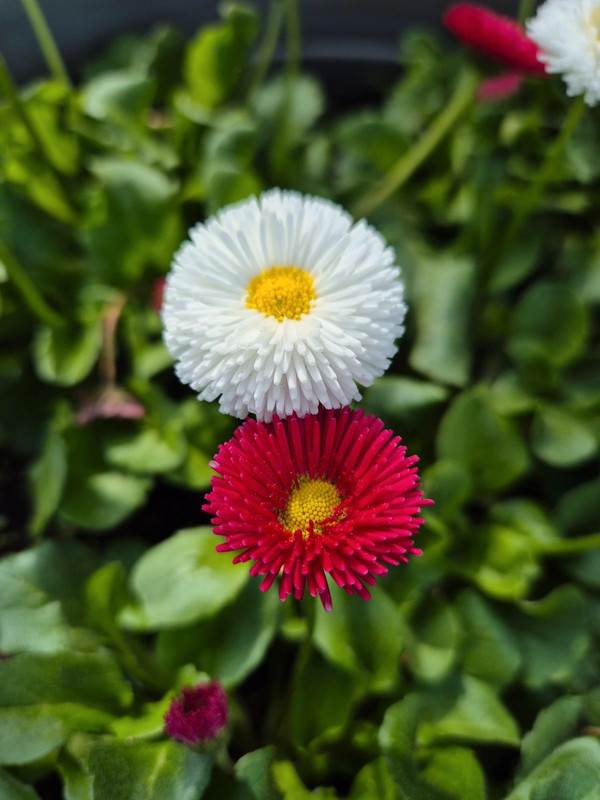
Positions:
{"x": 333, "y": 30}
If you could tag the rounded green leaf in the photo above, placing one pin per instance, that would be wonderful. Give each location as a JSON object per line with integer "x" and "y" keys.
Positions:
{"x": 552, "y": 317}
{"x": 101, "y": 500}
{"x": 64, "y": 356}
{"x": 487, "y": 444}
{"x": 147, "y": 771}
{"x": 560, "y": 440}
{"x": 182, "y": 580}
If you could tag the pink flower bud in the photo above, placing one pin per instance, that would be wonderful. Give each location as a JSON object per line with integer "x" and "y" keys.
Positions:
{"x": 499, "y": 37}
{"x": 198, "y": 715}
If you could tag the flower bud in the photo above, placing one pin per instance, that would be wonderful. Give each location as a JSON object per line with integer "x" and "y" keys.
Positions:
{"x": 198, "y": 714}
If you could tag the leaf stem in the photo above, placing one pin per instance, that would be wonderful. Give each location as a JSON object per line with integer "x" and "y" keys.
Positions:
{"x": 267, "y": 46}
{"x": 28, "y": 290}
{"x": 46, "y": 41}
{"x": 412, "y": 159}
{"x": 572, "y": 546}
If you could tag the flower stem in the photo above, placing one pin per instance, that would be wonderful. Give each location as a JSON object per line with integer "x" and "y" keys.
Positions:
{"x": 526, "y": 9}
{"x": 46, "y": 42}
{"x": 544, "y": 176}
{"x": 294, "y": 39}
{"x": 28, "y": 290}
{"x": 267, "y": 46}
{"x": 412, "y": 159}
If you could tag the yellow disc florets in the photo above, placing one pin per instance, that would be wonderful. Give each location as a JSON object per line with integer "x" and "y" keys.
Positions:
{"x": 311, "y": 501}
{"x": 281, "y": 292}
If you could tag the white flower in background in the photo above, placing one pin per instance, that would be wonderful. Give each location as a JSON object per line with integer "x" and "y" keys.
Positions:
{"x": 568, "y": 35}
{"x": 281, "y": 303}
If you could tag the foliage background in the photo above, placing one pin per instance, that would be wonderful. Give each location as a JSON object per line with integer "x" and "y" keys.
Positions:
{"x": 473, "y": 671}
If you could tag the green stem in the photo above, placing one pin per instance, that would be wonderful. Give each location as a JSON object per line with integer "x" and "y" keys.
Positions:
{"x": 28, "y": 291}
{"x": 267, "y": 46}
{"x": 294, "y": 39}
{"x": 412, "y": 159}
{"x": 526, "y": 10}
{"x": 46, "y": 42}
{"x": 544, "y": 176}
{"x": 573, "y": 546}
{"x": 306, "y": 646}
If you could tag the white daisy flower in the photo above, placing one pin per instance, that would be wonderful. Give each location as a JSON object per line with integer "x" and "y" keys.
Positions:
{"x": 281, "y": 303}
{"x": 568, "y": 35}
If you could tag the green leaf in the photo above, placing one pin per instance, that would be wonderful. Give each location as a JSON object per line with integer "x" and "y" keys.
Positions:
{"x": 402, "y": 400}
{"x": 146, "y": 451}
{"x": 363, "y": 639}
{"x": 490, "y": 651}
{"x": 12, "y": 789}
{"x": 449, "y": 482}
{"x": 36, "y": 630}
{"x": 47, "y": 475}
{"x": 433, "y": 645}
{"x": 375, "y": 781}
{"x": 215, "y": 58}
{"x": 288, "y": 110}
{"x": 457, "y": 771}
{"x": 49, "y": 571}
{"x": 443, "y": 294}
{"x": 507, "y": 563}
{"x": 91, "y": 679}
{"x": 560, "y": 440}
{"x": 487, "y": 444}
{"x": 101, "y": 500}
{"x": 321, "y": 703}
{"x": 516, "y": 263}
{"x": 231, "y": 643}
{"x": 65, "y": 356}
{"x": 553, "y": 726}
{"x": 117, "y": 95}
{"x": 254, "y": 769}
{"x": 571, "y": 771}
{"x": 553, "y": 635}
{"x": 553, "y": 318}
{"x": 133, "y": 220}
{"x": 145, "y": 771}
{"x": 578, "y": 511}
{"x": 182, "y": 580}
{"x": 476, "y": 716}
{"x": 28, "y": 733}
{"x": 291, "y": 787}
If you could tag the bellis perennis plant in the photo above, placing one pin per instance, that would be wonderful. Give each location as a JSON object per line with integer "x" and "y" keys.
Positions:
{"x": 281, "y": 304}
{"x": 332, "y": 493}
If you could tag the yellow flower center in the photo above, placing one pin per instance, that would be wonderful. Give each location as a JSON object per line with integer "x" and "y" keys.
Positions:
{"x": 281, "y": 292}
{"x": 309, "y": 501}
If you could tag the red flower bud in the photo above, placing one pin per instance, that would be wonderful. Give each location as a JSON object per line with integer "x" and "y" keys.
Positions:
{"x": 198, "y": 715}
{"x": 494, "y": 35}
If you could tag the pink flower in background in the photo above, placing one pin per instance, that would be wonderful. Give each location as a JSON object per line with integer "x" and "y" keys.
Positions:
{"x": 499, "y": 37}
{"x": 157, "y": 293}
{"x": 332, "y": 493}
{"x": 499, "y": 87}
{"x": 198, "y": 715}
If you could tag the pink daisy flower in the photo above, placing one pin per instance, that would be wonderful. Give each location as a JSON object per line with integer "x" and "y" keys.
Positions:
{"x": 332, "y": 493}
{"x": 198, "y": 715}
{"x": 499, "y": 37}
